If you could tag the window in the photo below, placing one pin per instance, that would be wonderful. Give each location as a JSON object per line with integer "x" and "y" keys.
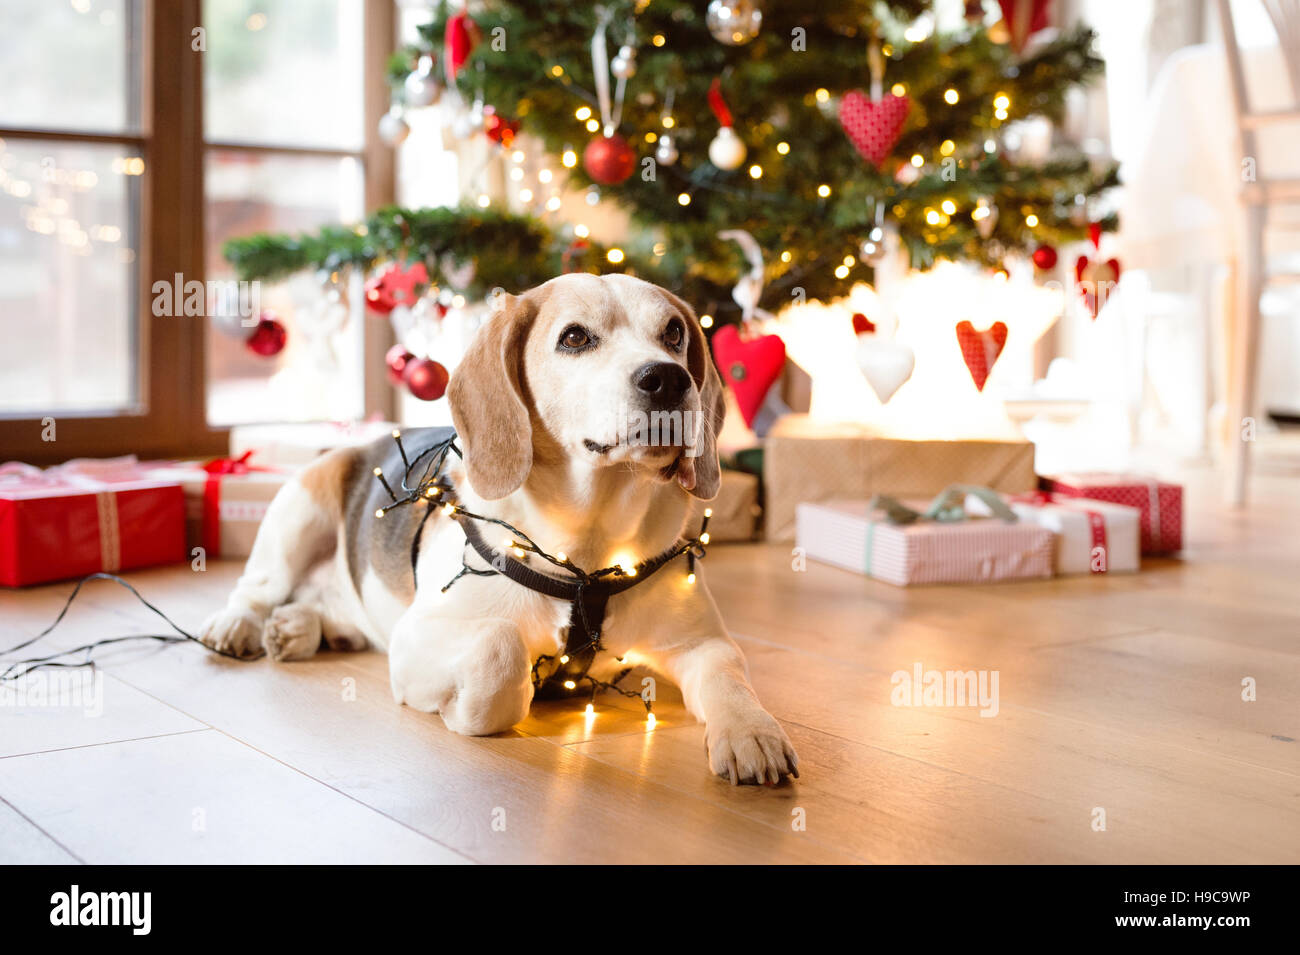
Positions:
{"x": 136, "y": 136}
{"x": 71, "y": 172}
{"x": 284, "y": 135}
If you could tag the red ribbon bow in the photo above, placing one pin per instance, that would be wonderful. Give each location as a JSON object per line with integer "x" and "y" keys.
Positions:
{"x": 218, "y": 468}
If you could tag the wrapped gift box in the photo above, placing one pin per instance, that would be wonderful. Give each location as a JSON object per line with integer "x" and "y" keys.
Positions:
{"x": 736, "y": 510}
{"x": 293, "y": 445}
{"x": 853, "y": 535}
{"x": 1092, "y": 537}
{"x": 225, "y": 501}
{"x": 1160, "y": 503}
{"x": 84, "y": 518}
{"x": 809, "y": 461}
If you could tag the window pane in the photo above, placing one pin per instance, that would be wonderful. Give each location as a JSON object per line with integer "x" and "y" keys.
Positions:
{"x": 318, "y": 375}
{"x": 69, "y": 64}
{"x": 67, "y": 277}
{"x": 284, "y": 72}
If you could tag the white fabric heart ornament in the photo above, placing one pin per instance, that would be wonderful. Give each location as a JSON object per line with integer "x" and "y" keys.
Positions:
{"x": 885, "y": 364}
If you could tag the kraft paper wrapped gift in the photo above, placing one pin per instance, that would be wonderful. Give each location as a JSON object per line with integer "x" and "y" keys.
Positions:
{"x": 86, "y": 517}
{"x": 855, "y": 536}
{"x": 736, "y": 510}
{"x": 293, "y": 445}
{"x": 810, "y": 461}
{"x": 1160, "y": 503}
{"x": 1092, "y": 537}
{"x": 225, "y": 501}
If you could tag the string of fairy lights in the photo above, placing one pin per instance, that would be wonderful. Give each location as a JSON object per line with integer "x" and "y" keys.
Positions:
{"x": 433, "y": 489}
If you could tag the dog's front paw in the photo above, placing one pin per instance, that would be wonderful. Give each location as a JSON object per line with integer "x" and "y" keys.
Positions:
{"x": 292, "y": 632}
{"x": 237, "y": 632}
{"x": 750, "y": 748}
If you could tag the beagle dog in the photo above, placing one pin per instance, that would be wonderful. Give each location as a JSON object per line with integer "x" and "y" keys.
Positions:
{"x": 541, "y": 404}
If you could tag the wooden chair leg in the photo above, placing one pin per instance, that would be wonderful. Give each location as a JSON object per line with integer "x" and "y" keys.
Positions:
{"x": 1245, "y": 359}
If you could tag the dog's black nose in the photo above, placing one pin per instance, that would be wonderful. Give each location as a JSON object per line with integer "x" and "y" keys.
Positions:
{"x": 661, "y": 383}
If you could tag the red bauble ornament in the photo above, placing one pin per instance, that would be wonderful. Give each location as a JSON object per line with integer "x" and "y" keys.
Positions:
{"x": 395, "y": 286}
{"x": 1044, "y": 257}
{"x": 609, "y": 160}
{"x": 980, "y": 350}
{"x": 862, "y": 324}
{"x": 268, "y": 337}
{"x": 498, "y": 128}
{"x": 873, "y": 127}
{"x": 425, "y": 378}
{"x": 396, "y": 360}
{"x": 750, "y": 366}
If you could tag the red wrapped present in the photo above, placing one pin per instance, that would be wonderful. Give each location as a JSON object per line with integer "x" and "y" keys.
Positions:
{"x": 85, "y": 517}
{"x": 1160, "y": 502}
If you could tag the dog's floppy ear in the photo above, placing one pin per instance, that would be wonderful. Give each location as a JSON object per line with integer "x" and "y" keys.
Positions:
{"x": 488, "y": 408}
{"x": 699, "y": 362}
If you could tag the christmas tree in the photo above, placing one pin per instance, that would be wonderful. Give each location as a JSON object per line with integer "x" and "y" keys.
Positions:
{"x": 826, "y": 131}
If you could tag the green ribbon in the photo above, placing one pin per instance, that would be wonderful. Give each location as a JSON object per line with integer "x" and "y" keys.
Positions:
{"x": 947, "y": 508}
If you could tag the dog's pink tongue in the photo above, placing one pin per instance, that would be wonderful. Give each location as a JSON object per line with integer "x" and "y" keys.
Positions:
{"x": 686, "y": 472}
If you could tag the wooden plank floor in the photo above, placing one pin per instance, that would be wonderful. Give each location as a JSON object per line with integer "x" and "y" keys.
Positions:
{"x": 1121, "y": 694}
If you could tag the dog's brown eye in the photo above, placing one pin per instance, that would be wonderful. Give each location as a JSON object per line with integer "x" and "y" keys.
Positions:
{"x": 675, "y": 334}
{"x": 574, "y": 337}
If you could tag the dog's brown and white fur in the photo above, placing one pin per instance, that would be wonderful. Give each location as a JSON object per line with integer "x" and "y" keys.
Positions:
{"x": 534, "y": 420}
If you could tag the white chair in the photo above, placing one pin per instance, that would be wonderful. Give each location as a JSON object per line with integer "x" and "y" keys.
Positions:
{"x": 1255, "y": 198}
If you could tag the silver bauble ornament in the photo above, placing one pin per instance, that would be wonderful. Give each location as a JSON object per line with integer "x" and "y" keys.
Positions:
{"x": 666, "y": 152}
{"x": 985, "y": 215}
{"x": 734, "y": 22}
{"x": 424, "y": 86}
{"x": 873, "y": 246}
{"x": 393, "y": 128}
{"x": 623, "y": 66}
{"x": 727, "y": 151}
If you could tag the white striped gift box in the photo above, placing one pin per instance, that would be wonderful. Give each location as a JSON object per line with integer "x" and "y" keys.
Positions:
{"x": 851, "y": 535}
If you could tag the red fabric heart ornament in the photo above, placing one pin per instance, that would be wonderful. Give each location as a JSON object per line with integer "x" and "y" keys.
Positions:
{"x": 873, "y": 128}
{"x": 1023, "y": 18}
{"x": 1096, "y": 282}
{"x": 749, "y": 366}
{"x": 980, "y": 350}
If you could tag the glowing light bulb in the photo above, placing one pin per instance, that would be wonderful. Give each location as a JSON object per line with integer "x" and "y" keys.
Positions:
{"x": 1031, "y": 220}
{"x": 379, "y": 513}
{"x": 1001, "y": 101}
{"x": 525, "y": 195}
{"x": 449, "y": 508}
{"x": 615, "y": 256}
{"x": 918, "y": 160}
{"x": 377, "y": 472}
{"x": 545, "y": 175}
{"x": 841, "y": 271}
{"x": 561, "y": 558}
{"x": 564, "y": 658}
{"x": 569, "y": 684}
{"x": 690, "y": 578}
{"x": 583, "y": 113}
{"x": 755, "y": 171}
{"x": 570, "y": 158}
{"x": 581, "y": 231}
{"x": 704, "y": 538}
{"x": 898, "y": 89}
{"x": 591, "y": 709}
{"x": 650, "y": 721}
{"x": 706, "y": 321}
{"x": 484, "y": 201}
{"x": 948, "y": 206}
{"x": 593, "y": 125}
{"x": 951, "y": 96}
{"x": 783, "y": 148}
{"x": 708, "y": 512}
{"x": 683, "y": 199}
{"x": 823, "y": 190}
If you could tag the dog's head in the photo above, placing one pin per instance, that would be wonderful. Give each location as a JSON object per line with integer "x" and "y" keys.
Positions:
{"x": 609, "y": 370}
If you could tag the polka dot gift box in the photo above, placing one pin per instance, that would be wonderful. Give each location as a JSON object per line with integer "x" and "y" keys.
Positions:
{"x": 1160, "y": 503}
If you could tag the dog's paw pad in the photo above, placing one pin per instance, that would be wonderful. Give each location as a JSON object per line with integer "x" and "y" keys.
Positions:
{"x": 291, "y": 633}
{"x": 237, "y": 632}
